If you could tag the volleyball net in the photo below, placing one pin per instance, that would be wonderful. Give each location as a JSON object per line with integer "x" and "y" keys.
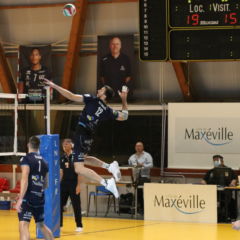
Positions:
{"x": 15, "y": 124}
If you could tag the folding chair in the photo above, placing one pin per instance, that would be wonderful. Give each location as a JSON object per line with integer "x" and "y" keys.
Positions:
{"x": 100, "y": 192}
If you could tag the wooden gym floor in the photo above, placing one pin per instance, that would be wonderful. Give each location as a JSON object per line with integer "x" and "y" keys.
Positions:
{"x": 124, "y": 229}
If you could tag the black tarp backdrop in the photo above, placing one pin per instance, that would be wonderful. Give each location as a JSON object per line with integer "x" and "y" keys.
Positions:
{"x": 117, "y": 139}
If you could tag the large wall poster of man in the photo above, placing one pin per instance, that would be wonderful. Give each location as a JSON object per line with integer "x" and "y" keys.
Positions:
{"x": 34, "y": 66}
{"x": 115, "y": 62}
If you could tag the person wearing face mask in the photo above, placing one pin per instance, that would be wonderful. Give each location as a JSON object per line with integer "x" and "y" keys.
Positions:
{"x": 211, "y": 178}
{"x": 223, "y": 176}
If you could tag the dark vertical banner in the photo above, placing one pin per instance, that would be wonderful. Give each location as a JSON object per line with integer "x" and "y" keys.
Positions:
{"x": 153, "y": 30}
{"x": 34, "y": 66}
{"x": 116, "y": 62}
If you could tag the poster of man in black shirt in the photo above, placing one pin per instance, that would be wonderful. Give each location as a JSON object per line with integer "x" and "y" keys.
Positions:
{"x": 115, "y": 58}
{"x": 34, "y": 66}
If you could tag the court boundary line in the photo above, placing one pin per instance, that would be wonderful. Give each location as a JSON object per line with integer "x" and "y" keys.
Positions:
{"x": 110, "y": 230}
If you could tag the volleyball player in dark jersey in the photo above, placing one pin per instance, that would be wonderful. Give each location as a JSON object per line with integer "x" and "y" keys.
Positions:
{"x": 31, "y": 200}
{"x": 95, "y": 111}
{"x": 31, "y": 78}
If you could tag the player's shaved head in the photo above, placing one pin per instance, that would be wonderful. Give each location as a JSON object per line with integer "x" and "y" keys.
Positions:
{"x": 115, "y": 45}
{"x": 115, "y": 40}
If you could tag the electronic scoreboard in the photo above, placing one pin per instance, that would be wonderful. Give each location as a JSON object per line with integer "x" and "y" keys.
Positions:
{"x": 192, "y": 30}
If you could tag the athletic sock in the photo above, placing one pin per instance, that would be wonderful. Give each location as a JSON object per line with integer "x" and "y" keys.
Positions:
{"x": 103, "y": 182}
{"x": 105, "y": 165}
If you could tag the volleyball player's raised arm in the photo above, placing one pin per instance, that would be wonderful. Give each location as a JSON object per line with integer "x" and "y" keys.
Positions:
{"x": 67, "y": 94}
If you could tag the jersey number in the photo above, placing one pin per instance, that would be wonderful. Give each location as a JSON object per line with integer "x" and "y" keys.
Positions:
{"x": 99, "y": 111}
{"x": 35, "y": 77}
{"x": 39, "y": 168}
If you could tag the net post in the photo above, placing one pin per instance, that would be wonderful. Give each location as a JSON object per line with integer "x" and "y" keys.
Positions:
{"x": 15, "y": 148}
{"x": 47, "y": 110}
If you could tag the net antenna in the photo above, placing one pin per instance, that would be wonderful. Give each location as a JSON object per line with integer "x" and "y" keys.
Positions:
{"x": 14, "y": 107}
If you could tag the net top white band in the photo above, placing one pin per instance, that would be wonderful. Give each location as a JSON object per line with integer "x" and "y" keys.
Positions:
{"x": 12, "y": 95}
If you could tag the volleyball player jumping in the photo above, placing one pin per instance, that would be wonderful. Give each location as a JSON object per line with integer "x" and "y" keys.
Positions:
{"x": 95, "y": 111}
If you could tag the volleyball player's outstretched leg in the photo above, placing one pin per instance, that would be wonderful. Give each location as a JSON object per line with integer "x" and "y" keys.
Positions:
{"x": 112, "y": 167}
{"x": 109, "y": 184}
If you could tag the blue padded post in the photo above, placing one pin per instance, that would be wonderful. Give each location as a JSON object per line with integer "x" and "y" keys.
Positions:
{"x": 49, "y": 149}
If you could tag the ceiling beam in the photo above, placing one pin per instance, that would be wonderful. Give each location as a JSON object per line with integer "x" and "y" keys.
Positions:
{"x": 44, "y": 5}
{"x": 182, "y": 80}
{"x": 6, "y": 79}
{"x": 74, "y": 44}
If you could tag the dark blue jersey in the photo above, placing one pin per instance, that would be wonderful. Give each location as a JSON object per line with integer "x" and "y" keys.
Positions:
{"x": 115, "y": 70}
{"x": 95, "y": 111}
{"x": 33, "y": 82}
{"x": 38, "y": 170}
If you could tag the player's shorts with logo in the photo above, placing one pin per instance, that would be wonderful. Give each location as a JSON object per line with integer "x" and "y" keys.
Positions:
{"x": 29, "y": 210}
{"x": 82, "y": 143}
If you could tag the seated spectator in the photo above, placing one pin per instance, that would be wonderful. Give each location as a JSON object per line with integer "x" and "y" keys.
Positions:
{"x": 142, "y": 160}
{"x": 231, "y": 179}
{"x": 223, "y": 176}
